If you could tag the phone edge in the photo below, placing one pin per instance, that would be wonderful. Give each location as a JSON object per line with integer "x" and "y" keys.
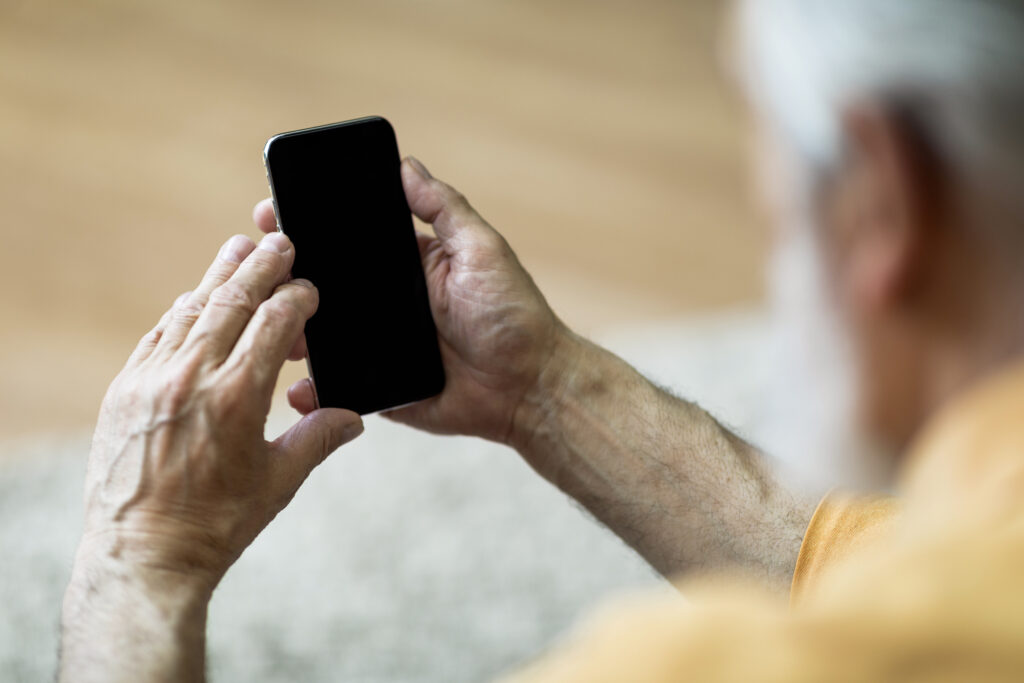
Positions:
{"x": 277, "y": 219}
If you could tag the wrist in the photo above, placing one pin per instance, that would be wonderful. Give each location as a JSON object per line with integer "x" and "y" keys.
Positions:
{"x": 189, "y": 543}
{"x": 102, "y": 573}
{"x": 550, "y": 393}
{"x": 123, "y": 620}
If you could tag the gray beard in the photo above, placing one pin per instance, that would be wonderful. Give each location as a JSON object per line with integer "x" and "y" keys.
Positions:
{"x": 811, "y": 424}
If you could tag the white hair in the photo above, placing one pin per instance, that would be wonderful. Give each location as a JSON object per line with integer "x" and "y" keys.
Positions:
{"x": 959, "y": 64}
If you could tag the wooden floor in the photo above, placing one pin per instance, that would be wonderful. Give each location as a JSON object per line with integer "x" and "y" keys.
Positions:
{"x": 599, "y": 135}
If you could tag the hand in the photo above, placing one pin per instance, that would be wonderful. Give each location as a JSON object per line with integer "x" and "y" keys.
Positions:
{"x": 180, "y": 478}
{"x": 497, "y": 333}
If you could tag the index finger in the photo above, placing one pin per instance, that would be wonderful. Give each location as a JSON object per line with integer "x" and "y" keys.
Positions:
{"x": 183, "y": 317}
{"x": 263, "y": 215}
{"x": 234, "y": 302}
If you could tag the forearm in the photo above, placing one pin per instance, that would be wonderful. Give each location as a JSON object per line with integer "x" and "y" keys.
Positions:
{"x": 121, "y": 622}
{"x": 660, "y": 472}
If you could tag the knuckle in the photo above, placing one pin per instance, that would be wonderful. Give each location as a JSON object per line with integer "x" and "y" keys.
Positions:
{"x": 187, "y": 312}
{"x": 456, "y": 199}
{"x": 176, "y": 390}
{"x": 281, "y": 310}
{"x": 233, "y": 295}
{"x": 151, "y": 337}
{"x": 265, "y": 262}
{"x": 189, "y": 303}
{"x": 220, "y": 271}
{"x": 164, "y": 320}
{"x": 304, "y": 296}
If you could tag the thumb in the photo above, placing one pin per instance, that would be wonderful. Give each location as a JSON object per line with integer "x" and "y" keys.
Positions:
{"x": 310, "y": 440}
{"x": 441, "y": 205}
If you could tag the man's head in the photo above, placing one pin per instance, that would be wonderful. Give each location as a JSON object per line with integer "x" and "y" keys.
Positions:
{"x": 893, "y": 143}
{"x": 893, "y": 160}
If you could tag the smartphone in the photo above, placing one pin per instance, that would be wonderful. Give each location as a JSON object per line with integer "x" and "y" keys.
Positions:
{"x": 338, "y": 196}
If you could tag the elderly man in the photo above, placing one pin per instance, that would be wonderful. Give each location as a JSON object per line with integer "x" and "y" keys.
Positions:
{"x": 893, "y": 143}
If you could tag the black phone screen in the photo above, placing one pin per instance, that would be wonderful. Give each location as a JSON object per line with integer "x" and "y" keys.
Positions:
{"x": 339, "y": 198}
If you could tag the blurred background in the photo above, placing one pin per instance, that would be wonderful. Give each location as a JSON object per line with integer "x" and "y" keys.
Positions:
{"x": 600, "y": 136}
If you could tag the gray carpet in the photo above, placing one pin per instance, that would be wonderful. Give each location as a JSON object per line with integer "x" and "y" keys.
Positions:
{"x": 406, "y": 557}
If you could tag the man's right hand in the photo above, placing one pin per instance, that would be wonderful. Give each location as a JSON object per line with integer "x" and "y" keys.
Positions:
{"x": 499, "y": 338}
{"x": 660, "y": 472}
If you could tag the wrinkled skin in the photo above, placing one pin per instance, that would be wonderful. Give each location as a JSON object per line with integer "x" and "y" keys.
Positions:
{"x": 180, "y": 477}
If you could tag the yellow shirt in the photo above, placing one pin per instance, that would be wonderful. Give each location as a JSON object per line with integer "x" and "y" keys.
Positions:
{"x": 929, "y": 589}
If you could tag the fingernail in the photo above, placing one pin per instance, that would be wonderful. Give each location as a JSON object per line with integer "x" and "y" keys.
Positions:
{"x": 352, "y": 431}
{"x": 182, "y": 298}
{"x": 302, "y": 282}
{"x": 275, "y": 241}
{"x": 235, "y": 249}
{"x": 418, "y": 166}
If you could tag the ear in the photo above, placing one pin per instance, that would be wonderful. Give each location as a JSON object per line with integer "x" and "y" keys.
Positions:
{"x": 880, "y": 221}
